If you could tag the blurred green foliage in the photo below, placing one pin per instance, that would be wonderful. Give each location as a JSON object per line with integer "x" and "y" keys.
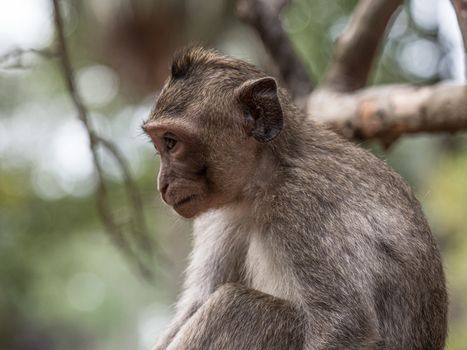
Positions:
{"x": 63, "y": 285}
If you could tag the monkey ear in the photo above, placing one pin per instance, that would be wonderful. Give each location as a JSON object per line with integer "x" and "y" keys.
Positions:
{"x": 261, "y": 107}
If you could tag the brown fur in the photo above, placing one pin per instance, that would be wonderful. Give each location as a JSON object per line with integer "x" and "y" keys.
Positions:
{"x": 302, "y": 239}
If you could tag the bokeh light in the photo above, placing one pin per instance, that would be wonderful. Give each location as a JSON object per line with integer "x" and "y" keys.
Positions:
{"x": 26, "y": 24}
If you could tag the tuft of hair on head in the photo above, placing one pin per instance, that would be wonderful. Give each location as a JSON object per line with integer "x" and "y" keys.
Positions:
{"x": 187, "y": 59}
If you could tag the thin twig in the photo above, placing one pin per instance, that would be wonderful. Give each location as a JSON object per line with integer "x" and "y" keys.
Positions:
{"x": 138, "y": 229}
{"x": 263, "y": 16}
{"x": 357, "y": 46}
{"x": 137, "y": 218}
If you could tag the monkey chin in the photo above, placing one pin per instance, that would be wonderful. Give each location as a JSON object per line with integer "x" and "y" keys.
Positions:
{"x": 187, "y": 207}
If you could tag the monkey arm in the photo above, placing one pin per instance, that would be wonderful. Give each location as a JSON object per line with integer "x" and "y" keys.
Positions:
{"x": 208, "y": 270}
{"x": 174, "y": 327}
{"x": 236, "y": 317}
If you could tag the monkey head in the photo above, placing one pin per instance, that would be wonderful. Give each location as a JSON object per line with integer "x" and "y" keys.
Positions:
{"x": 214, "y": 117}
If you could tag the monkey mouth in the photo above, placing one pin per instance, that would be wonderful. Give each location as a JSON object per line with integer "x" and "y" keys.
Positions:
{"x": 184, "y": 201}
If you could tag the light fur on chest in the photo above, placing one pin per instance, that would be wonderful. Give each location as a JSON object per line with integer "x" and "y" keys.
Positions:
{"x": 265, "y": 271}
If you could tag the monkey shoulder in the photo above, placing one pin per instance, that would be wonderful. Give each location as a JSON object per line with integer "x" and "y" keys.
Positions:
{"x": 335, "y": 175}
{"x": 348, "y": 202}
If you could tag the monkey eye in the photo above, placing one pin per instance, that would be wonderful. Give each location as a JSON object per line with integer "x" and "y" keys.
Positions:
{"x": 170, "y": 141}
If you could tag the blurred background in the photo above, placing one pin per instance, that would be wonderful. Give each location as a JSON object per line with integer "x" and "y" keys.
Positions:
{"x": 63, "y": 283}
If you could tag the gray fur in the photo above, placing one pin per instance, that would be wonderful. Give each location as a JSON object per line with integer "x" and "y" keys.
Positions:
{"x": 316, "y": 244}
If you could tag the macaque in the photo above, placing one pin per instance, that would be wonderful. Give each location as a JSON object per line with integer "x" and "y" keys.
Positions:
{"x": 302, "y": 240}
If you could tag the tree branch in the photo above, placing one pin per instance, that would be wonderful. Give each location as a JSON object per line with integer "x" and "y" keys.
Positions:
{"x": 357, "y": 46}
{"x": 390, "y": 111}
{"x": 263, "y": 16}
{"x": 383, "y": 113}
{"x": 138, "y": 230}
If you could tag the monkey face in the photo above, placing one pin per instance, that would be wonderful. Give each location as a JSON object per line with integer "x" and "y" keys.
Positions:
{"x": 199, "y": 170}
{"x": 182, "y": 180}
{"x": 209, "y": 126}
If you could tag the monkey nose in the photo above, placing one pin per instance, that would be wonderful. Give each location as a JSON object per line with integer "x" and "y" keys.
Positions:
{"x": 163, "y": 185}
